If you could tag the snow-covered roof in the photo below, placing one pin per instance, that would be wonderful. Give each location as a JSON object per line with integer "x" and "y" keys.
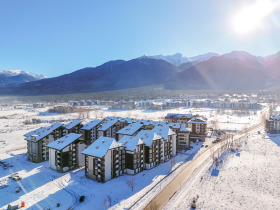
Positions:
{"x": 130, "y": 142}
{"x": 174, "y": 125}
{"x": 164, "y": 131}
{"x": 156, "y": 123}
{"x": 121, "y": 119}
{"x": 91, "y": 124}
{"x": 184, "y": 128}
{"x": 108, "y": 124}
{"x": 179, "y": 115}
{"x": 148, "y": 137}
{"x": 34, "y": 132}
{"x": 100, "y": 147}
{"x": 181, "y": 127}
{"x": 129, "y": 120}
{"x": 64, "y": 141}
{"x": 43, "y": 132}
{"x": 275, "y": 117}
{"x": 130, "y": 129}
{"x": 72, "y": 124}
{"x": 197, "y": 120}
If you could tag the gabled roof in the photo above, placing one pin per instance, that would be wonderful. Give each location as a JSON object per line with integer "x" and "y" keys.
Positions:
{"x": 275, "y": 117}
{"x": 105, "y": 126}
{"x": 197, "y": 120}
{"x": 156, "y": 123}
{"x": 72, "y": 124}
{"x": 34, "y": 132}
{"x": 130, "y": 129}
{"x": 100, "y": 147}
{"x": 174, "y": 125}
{"x": 64, "y": 141}
{"x": 181, "y": 127}
{"x": 91, "y": 124}
{"x": 179, "y": 115}
{"x": 164, "y": 131}
{"x": 43, "y": 132}
{"x": 130, "y": 142}
{"x": 148, "y": 137}
{"x": 121, "y": 119}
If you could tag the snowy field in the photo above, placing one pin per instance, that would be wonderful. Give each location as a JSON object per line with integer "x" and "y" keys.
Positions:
{"x": 245, "y": 179}
{"x": 42, "y": 188}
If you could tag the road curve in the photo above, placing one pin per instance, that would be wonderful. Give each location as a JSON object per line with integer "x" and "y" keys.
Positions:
{"x": 167, "y": 193}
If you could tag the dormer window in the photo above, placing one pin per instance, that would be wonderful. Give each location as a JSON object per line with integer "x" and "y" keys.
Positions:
{"x": 33, "y": 137}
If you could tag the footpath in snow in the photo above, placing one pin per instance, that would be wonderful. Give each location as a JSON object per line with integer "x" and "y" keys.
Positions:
{"x": 245, "y": 179}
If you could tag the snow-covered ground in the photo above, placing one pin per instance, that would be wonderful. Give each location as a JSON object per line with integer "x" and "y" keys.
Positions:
{"x": 246, "y": 179}
{"x": 43, "y": 188}
{"x": 226, "y": 119}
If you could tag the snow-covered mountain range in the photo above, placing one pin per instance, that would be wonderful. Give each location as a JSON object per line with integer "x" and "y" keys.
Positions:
{"x": 236, "y": 70}
{"x": 12, "y": 77}
{"x": 179, "y": 59}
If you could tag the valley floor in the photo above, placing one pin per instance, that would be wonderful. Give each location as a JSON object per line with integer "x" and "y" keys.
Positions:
{"x": 42, "y": 188}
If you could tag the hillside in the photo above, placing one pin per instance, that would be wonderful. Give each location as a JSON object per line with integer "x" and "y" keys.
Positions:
{"x": 232, "y": 71}
{"x": 12, "y": 77}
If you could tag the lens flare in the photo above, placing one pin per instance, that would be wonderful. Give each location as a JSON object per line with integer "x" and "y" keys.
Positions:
{"x": 251, "y": 17}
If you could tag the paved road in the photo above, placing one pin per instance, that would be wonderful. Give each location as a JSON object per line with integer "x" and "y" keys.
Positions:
{"x": 167, "y": 193}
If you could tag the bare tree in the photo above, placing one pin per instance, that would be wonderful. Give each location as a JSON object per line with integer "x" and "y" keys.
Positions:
{"x": 101, "y": 113}
{"x": 131, "y": 182}
{"x": 219, "y": 151}
{"x": 107, "y": 202}
{"x": 172, "y": 163}
{"x": 212, "y": 151}
{"x": 87, "y": 114}
{"x": 96, "y": 114}
{"x": 181, "y": 155}
{"x": 128, "y": 114}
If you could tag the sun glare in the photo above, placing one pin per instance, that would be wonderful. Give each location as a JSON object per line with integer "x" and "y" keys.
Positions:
{"x": 251, "y": 17}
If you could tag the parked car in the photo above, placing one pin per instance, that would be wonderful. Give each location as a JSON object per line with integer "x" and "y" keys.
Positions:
{"x": 82, "y": 198}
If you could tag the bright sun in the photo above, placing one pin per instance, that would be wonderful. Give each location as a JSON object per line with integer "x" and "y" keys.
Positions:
{"x": 250, "y": 17}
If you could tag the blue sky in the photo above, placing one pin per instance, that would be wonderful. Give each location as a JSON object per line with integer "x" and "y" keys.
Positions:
{"x": 55, "y": 37}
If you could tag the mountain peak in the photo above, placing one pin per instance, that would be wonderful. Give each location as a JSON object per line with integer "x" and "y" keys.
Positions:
{"x": 178, "y": 59}
{"x": 20, "y": 72}
{"x": 10, "y": 77}
{"x": 238, "y": 54}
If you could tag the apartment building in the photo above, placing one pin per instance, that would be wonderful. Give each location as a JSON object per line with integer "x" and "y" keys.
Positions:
{"x": 90, "y": 131}
{"x": 65, "y": 153}
{"x": 130, "y": 130}
{"x": 39, "y": 138}
{"x": 72, "y": 127}
{"x": 154, "y": 148}
{"x": 169, "y": 143}
{"x": 273, "y": 124}
{"x": 104, "y": 159}
{"x": 134, "y": 154}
